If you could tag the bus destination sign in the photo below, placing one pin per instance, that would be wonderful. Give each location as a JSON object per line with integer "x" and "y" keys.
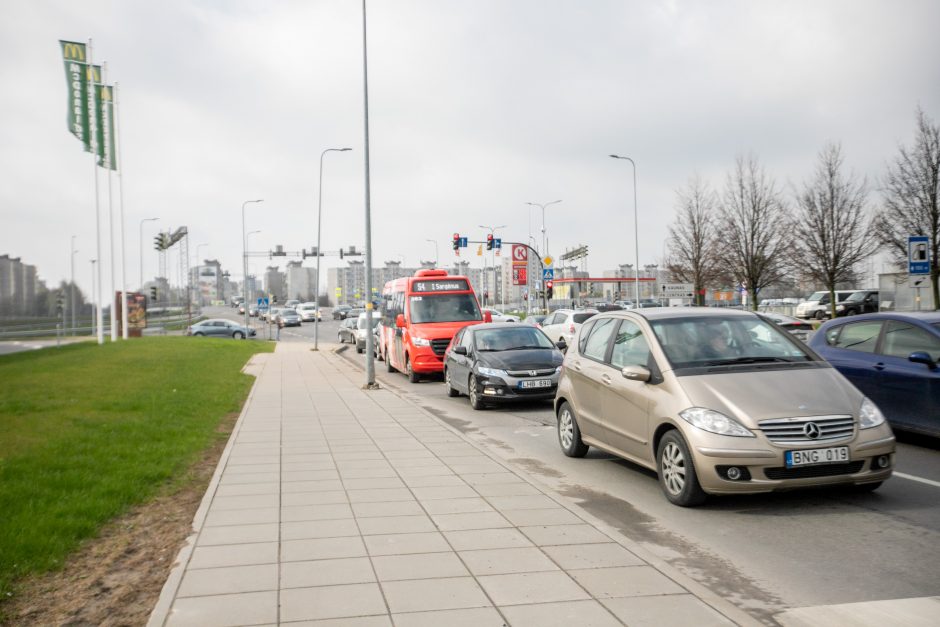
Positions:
{"x": 449, "y": 285}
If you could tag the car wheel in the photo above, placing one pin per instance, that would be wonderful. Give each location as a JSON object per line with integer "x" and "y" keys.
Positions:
{"x": 388, "y": 364}
{"x": 820, "y": 315}
{"x": 569, "y": 435}
{"x": 198, "y": 334}
{"x": 451, "y": 390}
{"x": 339, "y": 336}
{"x": 238, "y": 335}
{"x": 850, "y": 312}
{"x": 359, "y": 350}
{"x": 413, "y": 377}
{"x": 677, "y": 472}
{"x": 476, "y": 399}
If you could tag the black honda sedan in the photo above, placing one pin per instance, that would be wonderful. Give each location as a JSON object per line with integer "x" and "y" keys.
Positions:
{"x": 501, "y": 362}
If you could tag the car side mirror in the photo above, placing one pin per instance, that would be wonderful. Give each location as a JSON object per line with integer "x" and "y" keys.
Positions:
{"x": 922, "y": 357}
{"x": 460, "y": 350}
{"x": 400, "y": 321}
{"x": 562, "y": 344}
{"x": 487, "y": 316}
{"x": 636, "y": 373}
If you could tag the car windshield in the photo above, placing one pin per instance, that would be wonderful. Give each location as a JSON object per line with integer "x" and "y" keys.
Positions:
{"x": 444, "y": 308}
{"x": 857, "y": 296}
{"x": 817, "y": 295}
{"x": 513, "y": 338}
{"x": 713, "y": 341}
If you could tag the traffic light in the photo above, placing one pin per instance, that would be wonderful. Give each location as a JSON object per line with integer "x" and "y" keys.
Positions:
{"x": 341, "y": 252}
{"x": 489, "y": 242}
{"x": 153, "y": 293}
{"x": 548, "y": 288}
{"x": 457, "y": 244}
{"x": 158, "y": 241}
{"x": 59, "y": 303}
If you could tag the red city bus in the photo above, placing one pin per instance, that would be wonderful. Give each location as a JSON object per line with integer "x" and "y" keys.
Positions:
{"x": 420, "y": 315}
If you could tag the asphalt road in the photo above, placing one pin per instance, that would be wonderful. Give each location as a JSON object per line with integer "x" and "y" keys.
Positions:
{"x": 766, "y": 553}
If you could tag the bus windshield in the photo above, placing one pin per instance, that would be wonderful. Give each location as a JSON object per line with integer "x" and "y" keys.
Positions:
{"x": 444, "y": 308}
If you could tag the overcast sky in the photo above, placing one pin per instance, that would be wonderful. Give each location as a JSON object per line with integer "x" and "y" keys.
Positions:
{"x": 476, "y": 107}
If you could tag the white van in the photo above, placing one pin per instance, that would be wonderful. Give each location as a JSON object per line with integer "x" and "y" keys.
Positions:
{"x": 817, "y": 304}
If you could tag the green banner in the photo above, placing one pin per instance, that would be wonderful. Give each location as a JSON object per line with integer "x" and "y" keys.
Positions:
{"x": 75, "y": 60}
{"x": 105, "y": 121}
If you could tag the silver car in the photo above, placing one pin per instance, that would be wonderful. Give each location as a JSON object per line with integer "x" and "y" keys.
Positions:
{"x": 717, "y": 402}
{"x": 562, "y": 324}
{"x": 219, "y": 327}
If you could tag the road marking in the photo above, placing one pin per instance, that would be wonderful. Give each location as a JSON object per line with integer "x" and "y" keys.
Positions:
{"x": 935, "y": 484}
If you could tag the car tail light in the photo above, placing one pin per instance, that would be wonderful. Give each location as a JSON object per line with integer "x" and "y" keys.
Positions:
{"x": 571, "y": 328}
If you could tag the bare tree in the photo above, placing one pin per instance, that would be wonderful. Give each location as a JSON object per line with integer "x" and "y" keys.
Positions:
{"x": 692, "y": 237}
{"x": 752, "y": 227}
{"x": 831, "y": 229}
{"x": 911, "y": 190}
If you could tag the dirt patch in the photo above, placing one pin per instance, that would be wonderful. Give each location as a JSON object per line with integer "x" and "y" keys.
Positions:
{"x": 116, "y": 578}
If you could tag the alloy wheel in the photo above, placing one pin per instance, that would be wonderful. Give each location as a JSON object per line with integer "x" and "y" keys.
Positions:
{"x": 566, "y": 428}
{"x": 673, "y": 464}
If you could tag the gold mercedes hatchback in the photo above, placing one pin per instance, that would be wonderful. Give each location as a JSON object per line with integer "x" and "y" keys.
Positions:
{"x": 717, "y": 402}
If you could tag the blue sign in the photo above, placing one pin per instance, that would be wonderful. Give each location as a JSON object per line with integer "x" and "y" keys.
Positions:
{"x": 263, "y": 304}
{"x": 918, "y": 254}
{"x": 497, "y": 242}
{"x": 548, "y": 274}
{"x": 463, "y": 242}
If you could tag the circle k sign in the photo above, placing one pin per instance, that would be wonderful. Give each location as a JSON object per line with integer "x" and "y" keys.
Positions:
{"x": 520, "y": 253}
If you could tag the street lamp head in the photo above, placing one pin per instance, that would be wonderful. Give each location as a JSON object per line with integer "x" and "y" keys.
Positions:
{"x": 616, "y": 157}
{"x": 344, "y": 149}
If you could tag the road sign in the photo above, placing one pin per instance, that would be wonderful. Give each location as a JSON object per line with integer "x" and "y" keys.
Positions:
{"x": 548, "y": 273}
{"x": 519, "y": 275}
{"x": 497, "y": 243}
{"x": 678, "y": 290}
{"x": 547, "y": 260}
{"x": 463, "y": 242}
{"x": 918, "y": 254}
{"x": 520, "y": 254}
{"x": 263, "y": 304}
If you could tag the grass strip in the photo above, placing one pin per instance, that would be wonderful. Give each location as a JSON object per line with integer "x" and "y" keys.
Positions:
{"x": 88, "y": 431}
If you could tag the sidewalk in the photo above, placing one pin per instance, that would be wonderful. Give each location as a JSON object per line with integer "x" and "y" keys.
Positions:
{"x": 332, "y": 505}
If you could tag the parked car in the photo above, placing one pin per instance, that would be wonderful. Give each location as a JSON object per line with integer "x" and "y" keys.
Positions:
{"x": 339, "y": 312}
{"x": 377, "y": 349}
{"x": 892, "y": 358}
{"x": 816, "y": 304}
{"x": 309, "y": 312}
{"x": 292, "y": 304}
{"x": 362, "y": 330}
{"x": 564, "y": 323}
{"x": 347, "y": 331}
{"x": 288, "y": 317}
{"x": 862, "y": 301}
{"x": 536, "y": 320}
{"x": 717, "y": 401}
{"x": 498, "y": 363}
{"x": 796, "y": 327}
{"x": 355, "y": 312}
{"x": 499, "y": 316}
{"x": 219, "y": 327}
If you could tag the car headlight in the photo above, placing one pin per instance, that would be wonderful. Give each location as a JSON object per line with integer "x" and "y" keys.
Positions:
{"x": 714, "y": 422}
{"x": 869, "y": 415}
{"x": 558, "y": 370}
{"x": 421, "y": 341}
{"x": 840, "y": 307}
{"x": 492, "y": 372}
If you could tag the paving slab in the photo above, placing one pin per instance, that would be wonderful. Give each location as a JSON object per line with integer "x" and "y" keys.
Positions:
{"x": 332, "y": 505}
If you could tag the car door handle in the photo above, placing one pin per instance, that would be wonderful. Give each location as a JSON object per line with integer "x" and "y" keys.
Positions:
{"x": 576, "y": 365}
{"x": 879, "y": 366}
{"x": 606, "y": 379}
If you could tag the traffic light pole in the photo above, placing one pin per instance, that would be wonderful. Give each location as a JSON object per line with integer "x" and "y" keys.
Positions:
{"x": 531, "y": 250}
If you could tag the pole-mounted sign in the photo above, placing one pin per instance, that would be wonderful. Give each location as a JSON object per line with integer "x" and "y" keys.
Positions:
{"x": 918, "y": 254}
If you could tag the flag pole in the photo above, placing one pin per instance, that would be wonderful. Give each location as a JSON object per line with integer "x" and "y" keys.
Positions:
{"x": 93, "y": 131}
{"x": 120, "y": 176}
{"x": 105, "y": 150}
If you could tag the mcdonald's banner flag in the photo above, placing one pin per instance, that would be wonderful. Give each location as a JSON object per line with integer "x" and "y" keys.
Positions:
{"x": 75, "y": 60}
{"x": 105, "y": 122}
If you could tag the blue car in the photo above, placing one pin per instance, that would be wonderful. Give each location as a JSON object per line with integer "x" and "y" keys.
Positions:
{"x": 892, "y": 359}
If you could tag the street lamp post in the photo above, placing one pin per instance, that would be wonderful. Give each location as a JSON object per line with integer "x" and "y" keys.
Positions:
{"x": 142, "y": 249}
{"x": 316, "y": 289}
{"x": 248, "y": 265}
{"x": 245, "y": 263}
{"x": 436, "y": 252}
{"x": 636, "y": 233}
{"x": 94, "y": 299}
{"x": 544, "y": 243}
{"x": 72, "y": 281}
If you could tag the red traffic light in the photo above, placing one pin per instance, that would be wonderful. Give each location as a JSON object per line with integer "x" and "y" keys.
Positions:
{"x": 549, "y": 284}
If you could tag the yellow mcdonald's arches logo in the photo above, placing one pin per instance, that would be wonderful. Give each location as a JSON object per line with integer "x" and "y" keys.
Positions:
{"x": 72, "y": 50}
{"x": 105, "y": 92}
{"x": 94, "y": 73}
